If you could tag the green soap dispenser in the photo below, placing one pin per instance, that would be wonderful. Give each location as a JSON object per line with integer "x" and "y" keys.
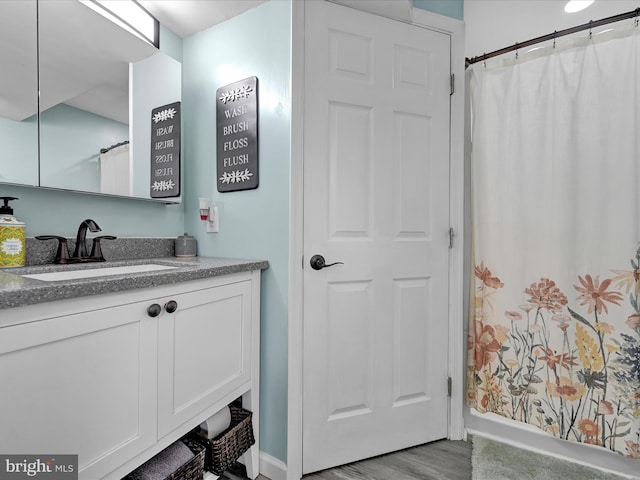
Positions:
{"x": 12, "y": 237}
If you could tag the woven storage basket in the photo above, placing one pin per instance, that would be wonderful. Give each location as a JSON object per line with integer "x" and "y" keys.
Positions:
{"x": 193, "y": 469}
{"x": 225, "y": 449}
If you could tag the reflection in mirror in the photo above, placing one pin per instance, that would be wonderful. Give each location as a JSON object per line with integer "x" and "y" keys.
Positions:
{"x": 18, "y": 92}
{"x": 155, "y": 82}
{"x": 88, "y": 70}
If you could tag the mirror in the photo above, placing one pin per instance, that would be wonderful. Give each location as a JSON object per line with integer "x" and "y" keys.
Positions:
{"x": 18, "y": 92}
{"x": 98, "y": 85}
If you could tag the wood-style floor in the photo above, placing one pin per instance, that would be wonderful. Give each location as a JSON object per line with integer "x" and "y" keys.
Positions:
{"x": 441, "y": 460}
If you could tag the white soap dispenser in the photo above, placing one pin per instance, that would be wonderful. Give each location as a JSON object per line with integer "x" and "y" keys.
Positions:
{"x": 12, "y": 237}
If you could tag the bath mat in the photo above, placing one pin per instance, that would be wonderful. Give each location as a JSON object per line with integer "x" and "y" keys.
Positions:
{"x": 498, "y": 461}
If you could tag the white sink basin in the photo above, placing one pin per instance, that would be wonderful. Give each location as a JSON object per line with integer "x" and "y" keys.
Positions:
{"x": 97, "y": 272}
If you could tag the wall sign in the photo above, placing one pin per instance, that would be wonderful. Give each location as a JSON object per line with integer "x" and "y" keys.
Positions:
{"x": 165, "y": 151}
{"x": 237, "y": 135}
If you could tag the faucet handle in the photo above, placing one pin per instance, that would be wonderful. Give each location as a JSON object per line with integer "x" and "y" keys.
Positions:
{"x": 96, "y": 248}
{"x": 62, "y": 254}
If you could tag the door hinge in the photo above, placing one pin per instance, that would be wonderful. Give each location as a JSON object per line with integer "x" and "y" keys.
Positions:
{"x": 451, "y": 235}
{"x": 453, "y": 83}
{"x": 449, "y": 386}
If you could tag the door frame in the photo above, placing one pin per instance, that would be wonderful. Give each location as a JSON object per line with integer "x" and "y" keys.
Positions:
{"x": 457, "y": 341}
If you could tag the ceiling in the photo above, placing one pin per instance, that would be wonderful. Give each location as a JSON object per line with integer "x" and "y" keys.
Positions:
{"x": 186, "y": 17}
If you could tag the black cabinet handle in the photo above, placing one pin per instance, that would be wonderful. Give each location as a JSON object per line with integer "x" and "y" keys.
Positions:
{"x": 318, "y": 263}
{"x": 154, "y": 310}
{"x": 171, "y": 306}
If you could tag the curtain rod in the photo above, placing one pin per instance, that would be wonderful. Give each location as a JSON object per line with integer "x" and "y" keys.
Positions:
{"x": 105, "y": 150}
{"x": 552, "y": 36}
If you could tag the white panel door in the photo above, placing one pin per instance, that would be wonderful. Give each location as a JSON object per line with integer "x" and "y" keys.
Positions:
{"x": 376, "y": 197}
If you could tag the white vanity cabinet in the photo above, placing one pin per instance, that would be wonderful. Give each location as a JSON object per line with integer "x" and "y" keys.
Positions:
{"x": 103, "y": 377}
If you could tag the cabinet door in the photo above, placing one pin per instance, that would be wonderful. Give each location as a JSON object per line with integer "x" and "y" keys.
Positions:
{"x": 205, "y": 352}
{"x": 93, "y": 375}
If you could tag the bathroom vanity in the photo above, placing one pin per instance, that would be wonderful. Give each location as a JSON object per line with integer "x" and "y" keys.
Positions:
{"x": 115, "y": 368}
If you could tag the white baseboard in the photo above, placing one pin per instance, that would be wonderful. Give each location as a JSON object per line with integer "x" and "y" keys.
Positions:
{"x": 272, "y": 468}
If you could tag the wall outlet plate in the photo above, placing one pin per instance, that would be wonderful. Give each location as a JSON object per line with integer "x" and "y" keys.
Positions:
{"x": 212, "y": 223}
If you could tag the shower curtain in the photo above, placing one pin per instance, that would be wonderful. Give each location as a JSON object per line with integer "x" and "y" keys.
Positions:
{"x": 554, "y": 337}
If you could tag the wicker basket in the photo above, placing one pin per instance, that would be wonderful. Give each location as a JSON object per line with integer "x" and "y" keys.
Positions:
{"x": 193, "y": 469}
{"x": 225, "y": 449}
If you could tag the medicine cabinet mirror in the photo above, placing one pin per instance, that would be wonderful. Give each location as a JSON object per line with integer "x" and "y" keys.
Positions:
{"x": 18, "y": 93}
{"x": 98, "y": 85}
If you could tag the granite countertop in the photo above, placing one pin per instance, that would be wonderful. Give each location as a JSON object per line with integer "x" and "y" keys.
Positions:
{"x": 17, "y": 290}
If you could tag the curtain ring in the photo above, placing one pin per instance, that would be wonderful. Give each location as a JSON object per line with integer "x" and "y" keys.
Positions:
{"x": 590, "y": 26}
{"x": 637, "y": 17}
{"x": 516, "y": 47}
{"x": 484, "y": 60}
{"x": 554, "y": 38}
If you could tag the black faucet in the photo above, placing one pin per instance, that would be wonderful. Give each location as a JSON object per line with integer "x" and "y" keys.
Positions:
{"x": 80, "y": 254}
{"x": 81, "y": 243}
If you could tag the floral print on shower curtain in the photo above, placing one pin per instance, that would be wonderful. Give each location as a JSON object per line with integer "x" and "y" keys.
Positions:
{"x": 558, "y": 363}
{"x": 554, "y": 334}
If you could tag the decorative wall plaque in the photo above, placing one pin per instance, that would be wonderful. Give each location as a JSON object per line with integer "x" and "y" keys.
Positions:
{"x": 165, "y": 151}
{"x": 237, "y": 135}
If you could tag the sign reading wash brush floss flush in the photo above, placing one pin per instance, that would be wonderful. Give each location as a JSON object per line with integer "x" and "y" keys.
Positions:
{"x": 237, "y": 135}
{"x": 165, "y": 151}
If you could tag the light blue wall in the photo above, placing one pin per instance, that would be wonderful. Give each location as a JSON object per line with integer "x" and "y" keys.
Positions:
{"x": 53, "y": 212}
{"x": 450, "y": 8}
{"x": 253, "y": 223}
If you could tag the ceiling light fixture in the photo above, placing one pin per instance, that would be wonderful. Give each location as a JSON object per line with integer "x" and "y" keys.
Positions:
{"x": 129, "y": 15}
{"x": 574, "y": 6}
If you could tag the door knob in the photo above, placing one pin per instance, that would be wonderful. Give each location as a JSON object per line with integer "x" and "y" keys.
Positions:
{"x": 154, "y": 310}
{"x": 318, "y": 263}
